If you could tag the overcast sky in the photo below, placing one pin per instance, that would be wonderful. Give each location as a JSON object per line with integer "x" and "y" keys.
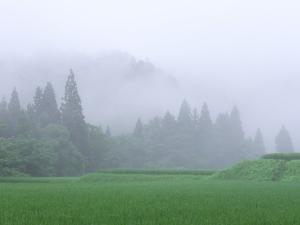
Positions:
{"x": 189, "y": 32}
{"x": 237, "y": 52}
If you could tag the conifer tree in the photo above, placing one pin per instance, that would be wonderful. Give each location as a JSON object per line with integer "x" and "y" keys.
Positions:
{"x": 139, "y": 129}
{"x": 185, "y": 116}
{"x": 14, "y": 106}
{"x": 14, "y": 113}
{"x": 3, "y": 110}
{"x": 19, "y": 125}
{"x": 205, "y": 121}
{"x": 195, "y": 117}
{"x": 259, "y": 144}
{"x": 283, "y": 141}
{"x": 38, "y": 102}
{"x": 49, "y": 105}
{"x": 168, "y": 123}
{"x": 107, "y": 131}
{"x": 3, "y": 105}
{"x": 205, "y": 132}
{"x": 4, "y": 120}
{"x": 236, "y": 125}
{"x": 72, "y": 115}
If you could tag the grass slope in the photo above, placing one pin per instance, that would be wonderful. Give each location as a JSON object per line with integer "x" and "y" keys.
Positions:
{"x": 292, "y": 172}
{"x": 262, "y": 170}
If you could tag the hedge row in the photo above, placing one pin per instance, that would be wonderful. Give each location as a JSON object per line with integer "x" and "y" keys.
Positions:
{"x": 282, "y": 156}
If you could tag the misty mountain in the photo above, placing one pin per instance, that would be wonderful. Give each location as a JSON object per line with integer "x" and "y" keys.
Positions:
{"x": 116, "y": 88}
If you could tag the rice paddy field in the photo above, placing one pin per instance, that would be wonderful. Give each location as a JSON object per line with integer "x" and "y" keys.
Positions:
{"x": 152, "y": 198}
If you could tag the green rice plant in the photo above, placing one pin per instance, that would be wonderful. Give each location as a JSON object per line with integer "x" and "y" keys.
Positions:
{"x": 178, "y": 200}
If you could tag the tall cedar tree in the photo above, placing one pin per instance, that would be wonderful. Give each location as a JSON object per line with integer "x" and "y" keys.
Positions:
{"x": 236, "y": 126}
{"x": 72, "y": 115}
{"x": 14, "y": 106}
{"x": 284, "y": 142}
{"x": 108, "y": 132}
{"x": 205, "y": 119}
{"x": 52, "y": 114}
{"x": 139, "y": 129}
{"x": 185, "y": 116}
{"x": 169, "y": 123}
{"x": 205, "y": 131}
{"x": 260, "y": 148}
{"x": 15, "y": 113}
{"x": 4, "y": 119}
{"x": 38, "y": 102}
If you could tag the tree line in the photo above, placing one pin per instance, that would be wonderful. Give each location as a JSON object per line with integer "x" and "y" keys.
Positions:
{"x": 50, "y": 140}
{"x": 45, "y": 139}
{"x": 194, "y": 140}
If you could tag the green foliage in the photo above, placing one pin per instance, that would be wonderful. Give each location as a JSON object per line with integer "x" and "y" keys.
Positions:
{"x": 185, "y": 115}
{"x": 44, "y": 140}
{"x": 99, "y": 146}
{"x": 14, "y": 106}
{"x": 292, "y": 172}
{"x": 125, "y": 152}
{"x": 72, "y": 115}
{"x": 25, "y": 156}
{"x": 259, "y": 144}
{"x": 35, "y": 142}
{"x": 51, "y": 155}
{"x": 265, "y": 169}
{"x": 69, "y": 161}
{"x": 284, "y": 142}
{"x": 51, "y": 113}
{"x": 189, "y": 142}
{"x": 139, "y": 129}
{"x": 282, "y": 156}
{"x": 157, "y": 172}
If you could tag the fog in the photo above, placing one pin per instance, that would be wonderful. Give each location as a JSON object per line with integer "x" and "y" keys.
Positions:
{"x": 139, "y": 58}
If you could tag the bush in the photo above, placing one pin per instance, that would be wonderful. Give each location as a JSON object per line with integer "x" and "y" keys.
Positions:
{"x": 292, "y": 172}
{"x": 282, "y": 156}
{"x": 261, "y": 170}
{"x": 159, "y": 172}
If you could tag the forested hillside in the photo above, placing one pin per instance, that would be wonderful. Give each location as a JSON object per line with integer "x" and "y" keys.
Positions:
{"x": 106, "y": 81}
{"x": 45, "y": 139}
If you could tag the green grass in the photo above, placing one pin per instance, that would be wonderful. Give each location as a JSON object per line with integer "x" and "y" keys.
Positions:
{"x": 38, "y": 179}
{"x": 159, "y": 172}
{"x": 147, "y": 199}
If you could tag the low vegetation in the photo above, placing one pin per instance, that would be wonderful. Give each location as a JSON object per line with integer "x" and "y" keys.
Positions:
{"x": 147, "y": 199}
{"x": 45, "y": 139}
{"x": 282, "y": 156}
{"x": 262, "y": 170}
{"x": 159, "y": 172}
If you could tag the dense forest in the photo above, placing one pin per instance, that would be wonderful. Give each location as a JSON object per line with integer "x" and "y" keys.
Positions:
{"x": 47, "y": 140}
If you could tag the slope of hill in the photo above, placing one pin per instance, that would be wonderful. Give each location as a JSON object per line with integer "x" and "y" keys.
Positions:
{"x": 109, "y": 83}
{"x": 262, "y": 170}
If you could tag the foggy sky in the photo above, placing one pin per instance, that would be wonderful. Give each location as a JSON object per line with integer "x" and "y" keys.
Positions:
{"x": 243, "y": 53}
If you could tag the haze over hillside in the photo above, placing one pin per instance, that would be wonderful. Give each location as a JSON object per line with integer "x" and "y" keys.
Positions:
{"x": 115, "y": 87}
{"x": 242, "y": 53}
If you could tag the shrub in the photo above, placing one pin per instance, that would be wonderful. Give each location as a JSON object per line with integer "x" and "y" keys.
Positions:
{"x": 282, "y": 156}
{"x": 262, "y": 170}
